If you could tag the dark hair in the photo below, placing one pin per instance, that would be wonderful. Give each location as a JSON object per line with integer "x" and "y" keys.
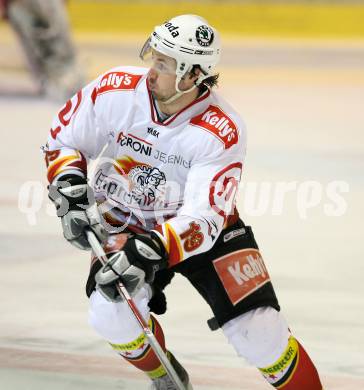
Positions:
{"x": 209, "y": 82}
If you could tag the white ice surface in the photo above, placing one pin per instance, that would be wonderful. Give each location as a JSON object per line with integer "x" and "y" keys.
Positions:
{"x": 304, "y": 124}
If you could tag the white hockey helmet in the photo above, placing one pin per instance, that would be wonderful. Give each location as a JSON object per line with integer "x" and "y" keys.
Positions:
{"x": 190, "y": 40}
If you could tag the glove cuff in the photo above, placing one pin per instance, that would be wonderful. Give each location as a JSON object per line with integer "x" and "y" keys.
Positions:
{"x": 71, "y": 192}
{"x": 159, "y": 243}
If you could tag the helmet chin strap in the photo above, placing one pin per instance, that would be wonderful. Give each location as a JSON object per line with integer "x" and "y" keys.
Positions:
{"x": 179, "y": 93}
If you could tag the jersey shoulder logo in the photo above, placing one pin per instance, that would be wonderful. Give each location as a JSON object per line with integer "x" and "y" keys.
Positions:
{"x": 116, "y": 81}
{"x": 219, "y": 124}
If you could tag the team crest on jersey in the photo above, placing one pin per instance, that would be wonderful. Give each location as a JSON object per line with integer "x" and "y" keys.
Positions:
{"x": 204, "y": 35}
{"x": 116, "y": 81}
{"x": 145, "y": 183}
{"x": 219, "y": 124}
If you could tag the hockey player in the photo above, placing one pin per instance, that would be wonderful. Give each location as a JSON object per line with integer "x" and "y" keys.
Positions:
{"x": 43, "y": 30}
{"x": 172, "y": 155}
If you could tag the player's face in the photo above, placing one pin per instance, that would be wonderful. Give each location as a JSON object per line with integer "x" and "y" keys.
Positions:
{"x": 162, "y": 76}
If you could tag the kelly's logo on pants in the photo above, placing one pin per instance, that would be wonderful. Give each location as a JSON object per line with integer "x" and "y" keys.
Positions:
{"x": 241, "y": 272}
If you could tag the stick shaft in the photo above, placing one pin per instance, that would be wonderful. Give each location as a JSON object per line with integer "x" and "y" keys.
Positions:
{"x": 98, "y": 250}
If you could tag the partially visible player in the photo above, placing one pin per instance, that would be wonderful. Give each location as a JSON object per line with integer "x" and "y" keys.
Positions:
{"x": 42, "y": 27}
{"x": 173, "y": 153}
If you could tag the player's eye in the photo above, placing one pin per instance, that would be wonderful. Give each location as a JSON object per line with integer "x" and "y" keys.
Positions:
{"x": 160, "y": 66}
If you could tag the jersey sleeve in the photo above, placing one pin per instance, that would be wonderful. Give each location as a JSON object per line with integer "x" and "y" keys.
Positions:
{"x": 209, "y": 200}
{"x": 75, "y": 136}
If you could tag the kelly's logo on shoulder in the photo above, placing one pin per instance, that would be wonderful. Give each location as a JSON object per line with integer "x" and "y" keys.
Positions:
{"x": 115, "y": 81}
{"x": 218, "y": 123}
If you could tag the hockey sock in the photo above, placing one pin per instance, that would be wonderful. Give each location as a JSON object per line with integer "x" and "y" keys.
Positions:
{"x": 140, "y": 354}
{"x": 294, "y": 370}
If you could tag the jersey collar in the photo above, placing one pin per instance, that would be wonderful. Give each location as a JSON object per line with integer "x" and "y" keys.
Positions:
{"x": 187, "y": 112}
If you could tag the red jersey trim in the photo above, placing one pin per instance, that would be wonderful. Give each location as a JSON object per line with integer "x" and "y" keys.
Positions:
{"x": 59, "y": 165}
{"x": 171, "y": 242}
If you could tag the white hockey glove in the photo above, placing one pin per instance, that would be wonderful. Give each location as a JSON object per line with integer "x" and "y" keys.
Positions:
{"x": 77, "y": 209}
{"x": 134, "y": 266}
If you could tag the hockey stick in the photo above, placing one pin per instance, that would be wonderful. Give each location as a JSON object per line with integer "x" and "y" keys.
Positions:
{"x": 99, "y": 252}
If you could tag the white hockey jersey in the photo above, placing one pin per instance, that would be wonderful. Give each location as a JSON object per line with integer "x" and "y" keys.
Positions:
{"x": 178, "y": 178}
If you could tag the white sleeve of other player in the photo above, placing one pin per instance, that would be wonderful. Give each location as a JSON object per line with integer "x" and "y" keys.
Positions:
{"x": 209, "y": 199}
{"x": 75, "y": 136}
